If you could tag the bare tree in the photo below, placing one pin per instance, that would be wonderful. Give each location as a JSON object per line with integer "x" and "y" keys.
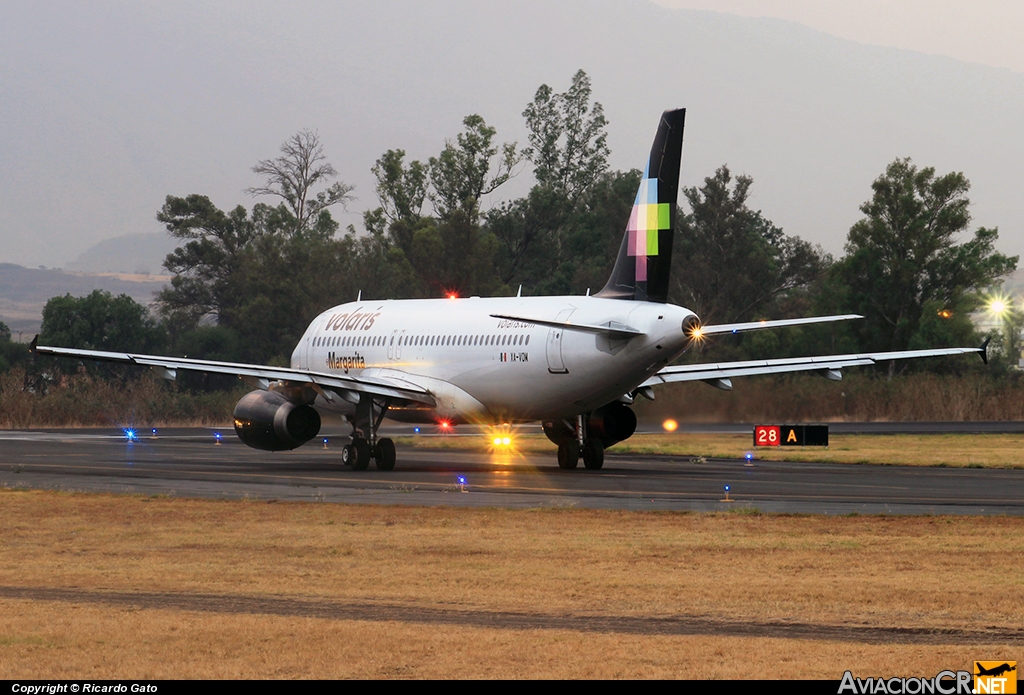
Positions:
{"x": 292, "y": 176}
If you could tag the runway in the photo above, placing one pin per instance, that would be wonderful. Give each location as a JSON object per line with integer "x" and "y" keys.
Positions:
{"x": 190, "y": 463}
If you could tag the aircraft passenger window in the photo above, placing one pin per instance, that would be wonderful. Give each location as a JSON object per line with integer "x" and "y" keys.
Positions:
{"x": 527, "y": 338}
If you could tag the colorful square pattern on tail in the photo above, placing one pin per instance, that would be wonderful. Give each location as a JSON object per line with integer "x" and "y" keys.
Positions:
{"x": 645, "y": 221}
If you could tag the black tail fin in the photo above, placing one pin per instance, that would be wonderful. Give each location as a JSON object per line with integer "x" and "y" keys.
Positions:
{"x": 641, "y": 271}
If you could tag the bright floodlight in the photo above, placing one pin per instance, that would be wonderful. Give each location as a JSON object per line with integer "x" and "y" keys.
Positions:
{"x": 997, "y": 306}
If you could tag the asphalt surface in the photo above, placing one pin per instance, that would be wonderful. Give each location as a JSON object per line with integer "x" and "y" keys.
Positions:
{"x": 191, "y": 463}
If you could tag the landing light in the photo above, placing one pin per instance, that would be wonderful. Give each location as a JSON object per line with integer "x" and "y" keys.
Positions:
{"x": 998, "y": 305}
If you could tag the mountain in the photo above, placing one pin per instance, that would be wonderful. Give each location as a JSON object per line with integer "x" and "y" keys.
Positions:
{"x": 138, "y": 254}
{"x": 25, "y": 291}
{"x": 109, "y": 106}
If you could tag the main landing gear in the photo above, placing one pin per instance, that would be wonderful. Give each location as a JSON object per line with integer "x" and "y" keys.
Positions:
{"x": 362, "y": 449}
{"x": 590, "y": 448}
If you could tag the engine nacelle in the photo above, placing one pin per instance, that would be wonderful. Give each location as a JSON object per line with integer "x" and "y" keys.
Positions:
{"x": 610, "y": 423}
{"x": 269, "y": 421}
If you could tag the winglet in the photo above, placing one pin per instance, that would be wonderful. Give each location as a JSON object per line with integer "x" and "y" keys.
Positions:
{"x": 32, "y": 346}
{"x": 983, "y": 350}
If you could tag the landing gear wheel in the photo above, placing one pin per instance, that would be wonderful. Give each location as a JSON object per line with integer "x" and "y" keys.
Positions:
{"x": 593, "y": 454}
{"x": 362, "y": 458}
{"x": 385, "y": 455}
{"x": 568, "y": 455}
{"x": 348, "y": 455}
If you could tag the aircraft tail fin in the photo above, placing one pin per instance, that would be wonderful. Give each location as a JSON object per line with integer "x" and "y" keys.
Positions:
{"x": 641, "y": 270}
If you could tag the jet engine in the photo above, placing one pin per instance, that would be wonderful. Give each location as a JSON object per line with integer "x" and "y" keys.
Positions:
{"x": 610, "y": 423}
{"x": 269, "y": 421}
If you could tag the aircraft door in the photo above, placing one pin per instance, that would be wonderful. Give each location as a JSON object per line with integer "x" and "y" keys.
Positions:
{"x": 554, "y": 344}
{"x": 391, "y": 345}
{"x": 398, "y": 345}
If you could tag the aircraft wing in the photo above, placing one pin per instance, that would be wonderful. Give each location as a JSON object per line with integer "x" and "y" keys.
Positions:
{"x": 781, "y": 323}
{"x": 828, "y": 365}
{"x": 257, "y": 375}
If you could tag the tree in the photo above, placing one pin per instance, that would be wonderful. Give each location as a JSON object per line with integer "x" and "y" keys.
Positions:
{"x": 250, "y": 273}
{"x": 460, "y": 174}
{"x": 903, "y": 256}
{"x": 569, "y": 151}
{"x": 730, "y": 263}
{"x": 204, "y": 266}
{"x": 11, "y": 353}
{"x": 100, "y": 321}
{"x": 293, "y": 176}
{"x": 568, "y": 140}
{"x": 400, "y": 189}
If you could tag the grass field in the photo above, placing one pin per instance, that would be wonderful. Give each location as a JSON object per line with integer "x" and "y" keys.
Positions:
{"x": 953, "y": 450}
{"x": 96, "y": 586}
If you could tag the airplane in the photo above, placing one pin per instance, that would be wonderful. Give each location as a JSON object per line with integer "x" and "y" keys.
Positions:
{"x": 574, "y": 363}
{"x": 996, "y": 670}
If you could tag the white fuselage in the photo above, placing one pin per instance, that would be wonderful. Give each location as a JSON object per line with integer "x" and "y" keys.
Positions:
{"x": 483, "y": 369}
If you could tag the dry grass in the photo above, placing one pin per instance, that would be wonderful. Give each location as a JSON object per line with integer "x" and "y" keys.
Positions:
{"x": 82, "y": 401}
{"x": 55, "y": 641}
{"x": 919, "y": 572}
{"x": 953, "y": 450}
{"x": 862, "y": 396}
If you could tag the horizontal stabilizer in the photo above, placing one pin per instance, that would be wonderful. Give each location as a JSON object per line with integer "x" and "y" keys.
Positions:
{"x": 611, "y": 330}
{"x": 781, "y": 323}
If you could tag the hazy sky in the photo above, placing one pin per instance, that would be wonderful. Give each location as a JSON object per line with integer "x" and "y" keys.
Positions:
{"x": 109, "y": 106}
{"x": 980, "y": 31}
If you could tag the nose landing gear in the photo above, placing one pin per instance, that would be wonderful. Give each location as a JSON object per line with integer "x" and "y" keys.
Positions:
{"x": 359, "y": 453}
